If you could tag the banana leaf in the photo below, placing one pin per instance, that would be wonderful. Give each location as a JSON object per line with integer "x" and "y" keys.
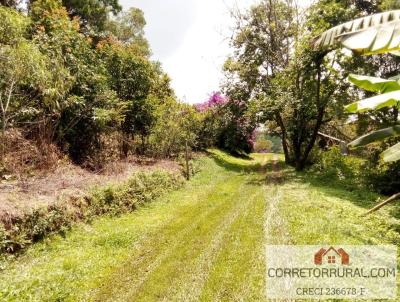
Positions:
{"x": 379, "y": 33}
{"x": 392, "y": 154}
{"x": 395, "y": 78}
{"x": 375, "y": 103}
{"x": 375, "y": 136}
{"x": 374, "y": 84}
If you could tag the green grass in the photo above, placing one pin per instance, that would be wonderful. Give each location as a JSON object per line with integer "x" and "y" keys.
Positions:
{"x": 113, "y": 199}
{"x": 203, "y": 242}
{"x": 317, "y": 211}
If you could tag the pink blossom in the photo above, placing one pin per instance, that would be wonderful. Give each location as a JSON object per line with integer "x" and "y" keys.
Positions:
{"x": 251, "y": 140}
{"x": 215, "y": 100}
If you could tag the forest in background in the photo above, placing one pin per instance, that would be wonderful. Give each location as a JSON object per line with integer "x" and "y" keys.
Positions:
{"x": 299, "y": 89}
{"x": 78, "y": 82}
{"x": 79, "y": 91}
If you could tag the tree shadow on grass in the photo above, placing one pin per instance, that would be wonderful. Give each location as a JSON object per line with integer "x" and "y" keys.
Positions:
{"x": 360, "y": 197}
{"x": 280, "y": 173}
{"x": 236, "y": 164}
{"x": 345, "y": 189}
{"x": 331, "y": 186}
{"x": 277, "y": 173}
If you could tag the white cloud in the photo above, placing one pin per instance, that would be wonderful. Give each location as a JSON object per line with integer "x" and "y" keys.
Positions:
{"x": 167, "y": 22}
{"x": 196, "y": 65}
{"x": 189, "y": 37}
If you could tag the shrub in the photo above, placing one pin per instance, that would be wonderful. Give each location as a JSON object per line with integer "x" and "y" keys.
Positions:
{"x": 227, "y": 124}
{"x": 383, "y": 178}
{"x": 113, "y": 199}
{"x": 332, "y": 164}
{"x": 373, "y": 174}
{"x": 263, "y": 146}
{"x": 13, "y": 25}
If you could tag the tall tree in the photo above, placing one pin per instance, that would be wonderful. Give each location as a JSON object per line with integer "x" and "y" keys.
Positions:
{"x": 93, "y": 14}
{"x": 262, "y": 41}
{"x": 10, "y": 3}
{"x": 294, "y": 84}
{"x": 128, "y": 28}
{"x": 83, "y": 105}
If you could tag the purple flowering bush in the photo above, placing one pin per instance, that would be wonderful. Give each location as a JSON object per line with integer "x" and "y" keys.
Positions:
{"x": 226, "y": 124}
{"x": 216, "y": 100}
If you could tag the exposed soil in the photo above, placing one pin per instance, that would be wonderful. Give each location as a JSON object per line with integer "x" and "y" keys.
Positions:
{"x": 66, "y": 180}
{"x": 275, "y": 176}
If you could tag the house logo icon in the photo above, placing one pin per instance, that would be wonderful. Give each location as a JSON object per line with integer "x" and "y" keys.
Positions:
{"x": 331, "y": 256}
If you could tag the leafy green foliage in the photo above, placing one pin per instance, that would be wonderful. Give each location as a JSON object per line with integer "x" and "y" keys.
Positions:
{"x": 392, "y": 154}
{"x": 353, "y": 172}
{"x": 23, "y": 68}
{"x": 374, "y": 34}
{"x": 115, "y": 199}
{"x": 333, "y": 164}
{"x": 263, "y": 146}
{"x": 374, "y": 84}
{"x": 376, "y": 136}
{"x": 83, "y": 80}
{"x": 93, "y": 15}
{"x": 128, "y": 27}
{"x": 228, "y": 124}
{"x": 175, "y": 126}
{"x": 383, "y": 177}
{"x": 92, "y": 12}
{"x": 297, "y": 89}
{"x": 82, "y": 100}
{"x": 263, "y": 139}
{"x": 390, "y": 99}
{"x": 13, "y": 26}
{"x": 368, "y": 35}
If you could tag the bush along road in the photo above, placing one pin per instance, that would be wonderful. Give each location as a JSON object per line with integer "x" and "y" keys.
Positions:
{"x": 203, "y": 242}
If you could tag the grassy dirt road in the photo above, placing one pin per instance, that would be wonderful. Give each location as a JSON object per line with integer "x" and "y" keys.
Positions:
{"x": 204, "y": 242}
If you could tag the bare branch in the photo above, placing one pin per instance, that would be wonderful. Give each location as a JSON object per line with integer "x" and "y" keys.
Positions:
{"x": 384, "y": 203}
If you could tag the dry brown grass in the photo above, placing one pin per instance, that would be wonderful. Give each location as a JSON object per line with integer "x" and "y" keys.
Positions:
{"x": 67, "y": 180}
{"x": 22, "y": 156}
{"x": 33, "y": 174}
{"x": 32, "y": 177}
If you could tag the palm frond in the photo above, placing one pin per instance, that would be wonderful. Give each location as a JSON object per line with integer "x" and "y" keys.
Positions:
{"x": 379, "y": 33}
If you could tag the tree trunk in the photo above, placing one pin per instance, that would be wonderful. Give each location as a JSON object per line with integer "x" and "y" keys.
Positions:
{"x": 301, "y": 162}
{"x": 187, "y": 161}
{"x": 3, "y": 128}
{"x": 3, "y": 140}
{"x": 382, "y": 204}
{"x": 124, "y": 146}
{"x": 280, "y": 123}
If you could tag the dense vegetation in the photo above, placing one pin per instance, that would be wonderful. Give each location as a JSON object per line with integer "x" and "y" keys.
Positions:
{"x": 78, "y": 81}
{"x": 112, "y": 200}
{"x": 300, "y": 91}
{"x": 79, "y": 89}
{"x": 205, "y": 241}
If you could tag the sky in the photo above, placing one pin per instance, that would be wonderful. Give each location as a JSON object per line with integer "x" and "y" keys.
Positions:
{"x": 191, "y": 40}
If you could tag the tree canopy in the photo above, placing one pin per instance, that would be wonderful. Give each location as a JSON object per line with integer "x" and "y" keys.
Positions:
{"x": 299, "y": 89}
